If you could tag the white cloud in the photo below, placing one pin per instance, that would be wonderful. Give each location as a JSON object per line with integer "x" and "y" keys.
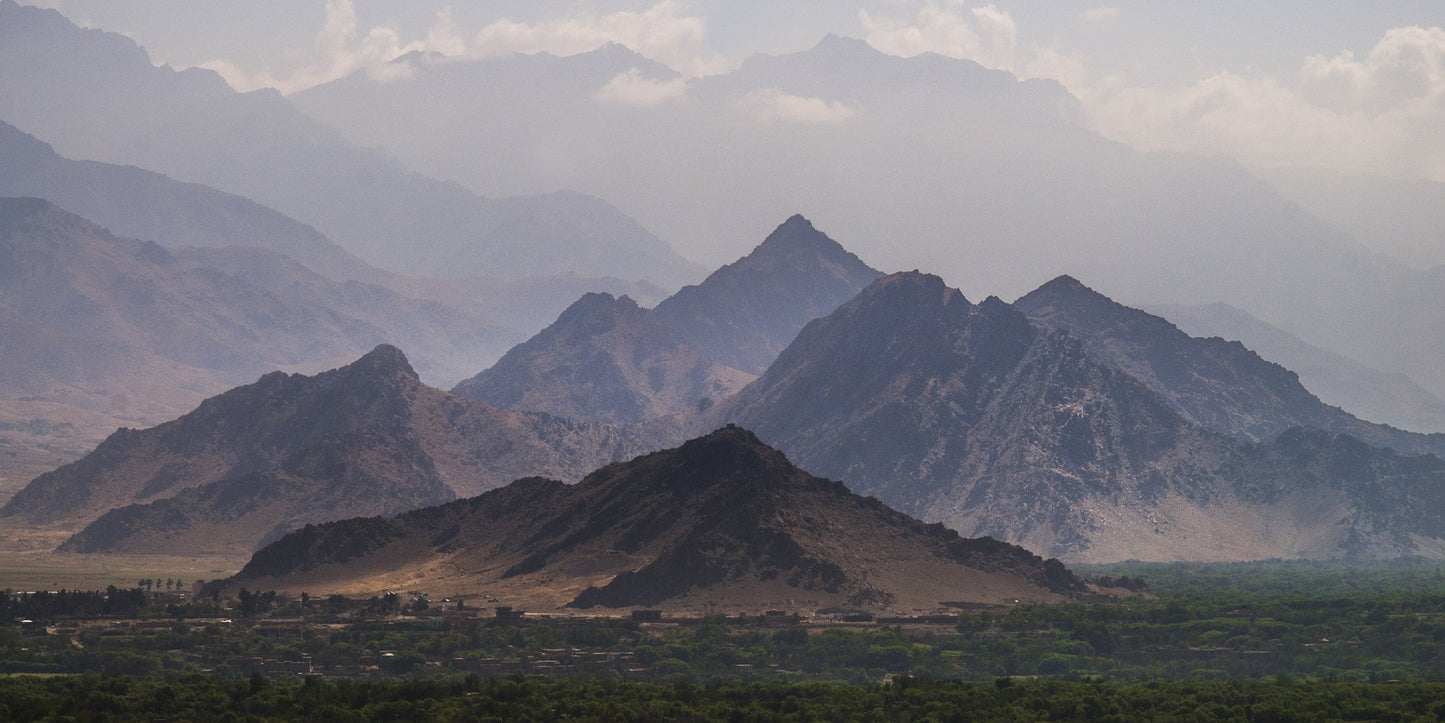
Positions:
{"x": 773, "y": 104}
{"x": 634, "y": 88}
{"x": 1406, "y": 66}
{"x": 340, "y": 50}
{"x": 663, "y": 32}
{"x": 1380, "y": 114}
{"x": 985, "y": 35}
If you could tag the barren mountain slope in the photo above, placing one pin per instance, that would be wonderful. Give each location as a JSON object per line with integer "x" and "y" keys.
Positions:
{"x": 721, "y": 523}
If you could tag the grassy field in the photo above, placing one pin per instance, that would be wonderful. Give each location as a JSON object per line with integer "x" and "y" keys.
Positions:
{"x": 56, "y": 571}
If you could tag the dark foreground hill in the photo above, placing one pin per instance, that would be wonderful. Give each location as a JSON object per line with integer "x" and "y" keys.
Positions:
{"x": 368, "y": 438}
{"x": 721, "y": 523}
{"x": 973, "y": 416}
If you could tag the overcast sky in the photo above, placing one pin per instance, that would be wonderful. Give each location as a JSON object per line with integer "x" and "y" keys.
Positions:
{"x": 1345, "y": 84}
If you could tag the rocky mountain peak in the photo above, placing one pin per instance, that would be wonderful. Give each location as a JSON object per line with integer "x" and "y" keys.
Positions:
{"x": 604, "y": 359}
{"x": 596, "y": 311}
{"x": 908, "y": 299}
{"x": 797, "y": 237}
{"x": 744, "y": 313}
{"x": 384, "y": 362}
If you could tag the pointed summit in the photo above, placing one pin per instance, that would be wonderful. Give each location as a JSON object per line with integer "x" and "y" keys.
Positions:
{"x": 385, "y": 361}
{"x": 746, "y": 312}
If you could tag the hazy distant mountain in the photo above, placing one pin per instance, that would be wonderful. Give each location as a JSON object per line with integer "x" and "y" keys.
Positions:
{"x": 721, "y": 523}
{"x": 95, "y": 95}
{"x": 86, "y": 297}
{"x": 928, "y": 162}
{"x": 141, "y": 204}
{"x": 99, "y": 331}
{"x": 1368, "y": 393}
{"x": 746, "y": 312}
{"x": 970, "y": 415}
{"x": 1217, "y": 384}
{"x": 531, "y": 105}
{"x": 605, "y": 359}
{"x": 478, "y": 317}
{"x": 1404, "y": 219}
{"x": 364, "y": 439}
{"x": 235, "y": 311}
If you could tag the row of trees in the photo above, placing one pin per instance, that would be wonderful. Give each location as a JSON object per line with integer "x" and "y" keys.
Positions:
{"x": 521, "y": 699}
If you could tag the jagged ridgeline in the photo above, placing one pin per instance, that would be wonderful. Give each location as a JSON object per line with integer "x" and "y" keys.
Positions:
{"x": 973, "y": 415}
{"x": 722, "y": 522}
{"x": 606, "y": 359}
{"x": 247, "y": 465}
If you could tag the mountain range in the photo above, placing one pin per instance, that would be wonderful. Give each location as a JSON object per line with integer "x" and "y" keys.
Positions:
{"x": 1216, "y": 384}
{"x": 95, "y": 95}
{"x": 247, "y": 465}
{"x": 101, "y": 331}
{"x": 973, "y": 415}
{"x": 1066, "y": 421}
{"x": 719, "y": 524}
{"x": 997, "y": 184}
{"x": 1367, "y": 393}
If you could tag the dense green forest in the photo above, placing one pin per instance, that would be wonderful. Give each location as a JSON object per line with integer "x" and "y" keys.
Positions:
{"x": 1237, "y": 640}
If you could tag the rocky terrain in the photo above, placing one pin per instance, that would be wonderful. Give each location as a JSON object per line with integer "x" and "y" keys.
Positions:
{"x": 368, "y": 438}
{"x": 1217, "y": 384}
{"x": 605, "y": 359}
{"x": 721, "y": 523}
{"x": 746, "y": 312}
{"x": 973, "y": 416}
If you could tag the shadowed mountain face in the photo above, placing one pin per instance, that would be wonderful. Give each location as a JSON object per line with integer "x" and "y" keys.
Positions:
{"x": 95, "y": 95}
{"x": 605, "y": 359}
{"x": 971, "y": 415}
{"x": 744, "y": 313}
{"x": 364, "y": 439}
{"x": 722, "y": 522}
{"x": 1217, "y": 384}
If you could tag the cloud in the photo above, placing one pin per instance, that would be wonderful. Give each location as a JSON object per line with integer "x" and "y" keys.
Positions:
{"x": 985, "y": 35}
{"x": 633, "y": 88}
{"x": 1380, "y": 114}
{"x": 339, "y": 51}
{"x": 1406, "y": 66}
{"x": 773, "y": 104}
{"x": 663, "y": 32}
